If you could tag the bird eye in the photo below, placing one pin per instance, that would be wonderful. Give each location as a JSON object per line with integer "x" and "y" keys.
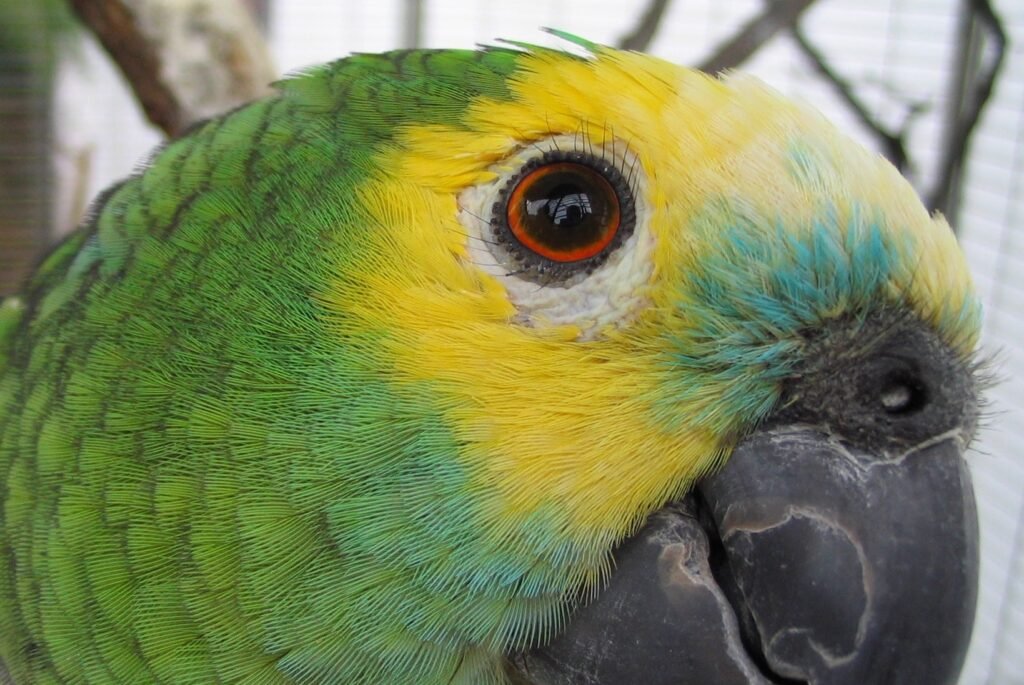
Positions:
{"x": 572, "y": 216}
{"x": 563, "y": 211}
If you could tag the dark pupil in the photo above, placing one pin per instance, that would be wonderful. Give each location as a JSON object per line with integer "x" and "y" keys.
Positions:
{"x": 562, "y": 212}
{"x": 566, "y": 207}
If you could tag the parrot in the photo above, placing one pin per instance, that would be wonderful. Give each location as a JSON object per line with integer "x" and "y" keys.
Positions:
{"x": 386, "y": 377}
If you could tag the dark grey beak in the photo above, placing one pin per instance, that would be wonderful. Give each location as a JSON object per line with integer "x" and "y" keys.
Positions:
{"x": 802, "y": 561}
{"x": 852, "y": 569}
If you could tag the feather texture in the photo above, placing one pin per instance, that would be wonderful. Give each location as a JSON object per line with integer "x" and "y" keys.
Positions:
{"x": 264, "y": 420}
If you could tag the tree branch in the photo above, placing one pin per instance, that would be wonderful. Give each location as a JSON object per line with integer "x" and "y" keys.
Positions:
{"x": 776, "y": 16}
{"x": 185, "y": 60}
{"x": 643, "y": 33}
{"x": 115, "y": 27}
{"x": 975, "y": 95}
{"x": 893, "y": 143}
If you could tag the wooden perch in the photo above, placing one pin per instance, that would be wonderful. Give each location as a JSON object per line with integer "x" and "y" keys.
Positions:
{"x": 776, "y": 16}
{"x": 971, "y": 99}
{"x": 115, "y": 27}
{"x": 185, "y": 60}
{"x": 893, "y": 143}
{"x": 640, "y": 37}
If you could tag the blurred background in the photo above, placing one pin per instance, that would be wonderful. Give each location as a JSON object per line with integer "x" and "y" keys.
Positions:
{"x": 935, "y": 85}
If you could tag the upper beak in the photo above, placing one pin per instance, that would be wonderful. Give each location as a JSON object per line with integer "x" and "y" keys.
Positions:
{"x": 804, "y": 560}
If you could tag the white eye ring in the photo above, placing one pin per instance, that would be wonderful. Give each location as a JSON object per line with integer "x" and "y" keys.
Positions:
{"x": 609, "y": 292}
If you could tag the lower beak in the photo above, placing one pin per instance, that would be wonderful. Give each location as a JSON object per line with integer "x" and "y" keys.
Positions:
{"x": 803, "y": 560}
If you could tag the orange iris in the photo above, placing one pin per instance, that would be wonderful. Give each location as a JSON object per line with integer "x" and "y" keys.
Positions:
{"x": 564, "y": 211}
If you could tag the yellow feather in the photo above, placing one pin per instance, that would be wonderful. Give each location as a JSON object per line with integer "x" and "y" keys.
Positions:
{"x": 582, "y": 423}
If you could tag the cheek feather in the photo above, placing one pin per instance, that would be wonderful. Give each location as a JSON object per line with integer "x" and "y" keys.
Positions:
{"x": 543, "y": 418}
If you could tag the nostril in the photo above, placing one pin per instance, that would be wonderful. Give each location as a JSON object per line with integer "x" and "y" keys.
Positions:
{"x": 902, "y": 394}
{"x": 896, "y": 398}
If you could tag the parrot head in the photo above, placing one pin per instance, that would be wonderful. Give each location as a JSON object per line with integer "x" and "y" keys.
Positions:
{"x": 401, "y": 355}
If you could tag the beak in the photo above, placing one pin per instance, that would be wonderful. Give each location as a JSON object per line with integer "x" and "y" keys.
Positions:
{"x": 803, "y": 560}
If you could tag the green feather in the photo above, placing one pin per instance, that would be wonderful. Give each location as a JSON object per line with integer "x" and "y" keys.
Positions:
{"x": 183, "y": 433}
